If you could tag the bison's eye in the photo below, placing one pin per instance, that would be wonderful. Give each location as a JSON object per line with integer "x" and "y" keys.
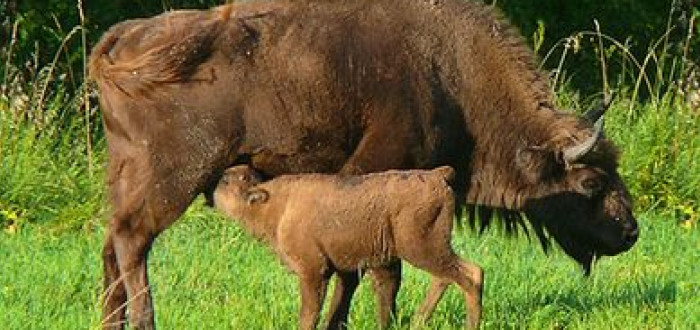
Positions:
{"x": 243, "y": 177}
{"x": 591, "y": 186}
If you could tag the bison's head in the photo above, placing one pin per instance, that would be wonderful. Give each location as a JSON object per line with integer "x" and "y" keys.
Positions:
{"x": 580, "y": 199}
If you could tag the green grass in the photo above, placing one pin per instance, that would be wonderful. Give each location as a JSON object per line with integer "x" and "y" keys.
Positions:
{"x": 45, "y": 174}
{"x": 206, "y": 273}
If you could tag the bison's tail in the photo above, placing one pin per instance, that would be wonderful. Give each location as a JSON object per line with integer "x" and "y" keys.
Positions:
{"x": 100, "y": 56}
{"x": 446, "y": 172}
{"x": 169, "y": 48}
{"x": 122, "y": 59}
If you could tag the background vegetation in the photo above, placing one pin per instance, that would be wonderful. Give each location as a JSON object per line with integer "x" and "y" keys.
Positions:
{"x": 53, "y": 209}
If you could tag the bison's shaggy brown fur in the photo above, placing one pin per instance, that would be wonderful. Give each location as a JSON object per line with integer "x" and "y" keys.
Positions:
{"x": 325, "y": 224}
{"x": 342, "y": 86}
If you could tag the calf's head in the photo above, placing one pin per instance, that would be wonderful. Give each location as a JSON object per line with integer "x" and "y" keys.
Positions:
{"x": 580, "y": 199}
{"x": 237, "y": 190}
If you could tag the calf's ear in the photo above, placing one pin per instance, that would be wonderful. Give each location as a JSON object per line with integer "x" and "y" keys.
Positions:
{"x": 256, "y": 195}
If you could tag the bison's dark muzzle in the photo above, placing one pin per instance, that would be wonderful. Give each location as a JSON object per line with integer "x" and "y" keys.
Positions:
{"x": 630, "y": 234}
{"x": 627, "y": 236}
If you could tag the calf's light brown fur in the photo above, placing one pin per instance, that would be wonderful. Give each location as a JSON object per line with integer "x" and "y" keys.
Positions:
{"x": 325, "y": 224}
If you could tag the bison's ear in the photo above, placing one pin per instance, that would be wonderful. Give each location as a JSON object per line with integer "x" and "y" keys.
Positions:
{"x": 250, "y": 38}
{"x": 245, "y": 29}
{"x": 240, "y": 37}
{"x": 256, "y": 195}
{"x": 536, "y": 163}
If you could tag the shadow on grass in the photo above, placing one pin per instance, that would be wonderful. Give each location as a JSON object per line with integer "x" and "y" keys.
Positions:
{"x": 559, "y": 307}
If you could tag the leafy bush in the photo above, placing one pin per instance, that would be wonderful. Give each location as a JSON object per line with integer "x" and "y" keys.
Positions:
{"x": 636, "y": 24}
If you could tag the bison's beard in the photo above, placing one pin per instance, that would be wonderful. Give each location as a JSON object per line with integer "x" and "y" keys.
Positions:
{"x": 573, "y": 242}
{"x": 545, "y": 217}
{"x": 583, "y": 254}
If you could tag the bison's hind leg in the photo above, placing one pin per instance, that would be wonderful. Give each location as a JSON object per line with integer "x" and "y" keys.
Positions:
{"x": 132, "y": 230}
{"x": 130, "y": 245}
{"x": 114, "y": 294}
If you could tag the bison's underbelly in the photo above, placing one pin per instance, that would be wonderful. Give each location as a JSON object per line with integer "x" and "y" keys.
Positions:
{"x": 331, "y": 153}
{"x": 277, "y": 161}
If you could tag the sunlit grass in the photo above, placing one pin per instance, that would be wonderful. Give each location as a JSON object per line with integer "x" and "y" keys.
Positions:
{"x": 206, "y": 273}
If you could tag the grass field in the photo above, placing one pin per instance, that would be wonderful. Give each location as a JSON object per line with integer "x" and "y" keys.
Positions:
{"x": 208, "y": 274}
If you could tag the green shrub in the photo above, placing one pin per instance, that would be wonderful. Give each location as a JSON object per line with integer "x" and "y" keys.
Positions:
{"x": 51, "y": 166}
{"x": 637, "y": 24}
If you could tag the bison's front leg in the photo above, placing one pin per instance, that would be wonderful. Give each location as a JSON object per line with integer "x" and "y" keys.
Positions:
{"x": 374, "y": 153}
{"x": 386, "y": 281}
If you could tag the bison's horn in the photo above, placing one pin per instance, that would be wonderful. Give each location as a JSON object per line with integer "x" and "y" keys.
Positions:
{"x": 596, "y": 113}
{"x": 573, "y": 154}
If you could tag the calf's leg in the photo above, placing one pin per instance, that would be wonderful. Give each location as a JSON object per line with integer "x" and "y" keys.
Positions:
{"x": 470, "y": 279}
{"x": 345, "y": 287}
{"x": 435, "y": 255}
{"x": 472, "y": 284}
{"x": 387, "y": 281}
{"x": 437, "y": 289}
{"x": 313, "y": 290}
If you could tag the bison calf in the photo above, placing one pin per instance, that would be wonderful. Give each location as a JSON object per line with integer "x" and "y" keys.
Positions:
{"x": 325, "y": 224}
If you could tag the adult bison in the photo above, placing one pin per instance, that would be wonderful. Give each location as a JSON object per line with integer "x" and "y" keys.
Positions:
{"x": 349, "y": 87}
